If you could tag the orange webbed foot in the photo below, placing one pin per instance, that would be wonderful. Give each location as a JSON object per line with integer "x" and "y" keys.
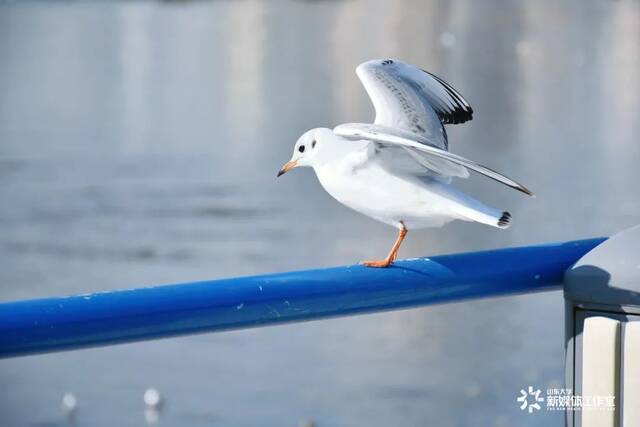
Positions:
{"x": 377, "y": 264}
{"x": 393, "y": 254}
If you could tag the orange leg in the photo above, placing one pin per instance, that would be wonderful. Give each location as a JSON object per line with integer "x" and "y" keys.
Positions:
{"x": 393, "y": 254}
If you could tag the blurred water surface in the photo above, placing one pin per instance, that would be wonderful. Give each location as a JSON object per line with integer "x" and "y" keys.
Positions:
{"x": 139, "y": 144}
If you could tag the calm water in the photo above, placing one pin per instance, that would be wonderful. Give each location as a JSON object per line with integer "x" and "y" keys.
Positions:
{"x": 139, "y": 144}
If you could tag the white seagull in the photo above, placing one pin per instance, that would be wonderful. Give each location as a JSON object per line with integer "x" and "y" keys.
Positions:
{"x": 398, "y": 170}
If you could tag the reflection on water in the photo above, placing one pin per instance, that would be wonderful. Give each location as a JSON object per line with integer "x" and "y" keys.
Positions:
{"x": 139, "y": 144}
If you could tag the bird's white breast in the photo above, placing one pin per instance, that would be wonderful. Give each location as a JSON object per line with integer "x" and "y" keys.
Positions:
{"x": 359, "y": 182}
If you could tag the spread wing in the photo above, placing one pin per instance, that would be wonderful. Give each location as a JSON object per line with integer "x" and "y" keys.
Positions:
{"x": 433, "y": 158}
{"x": 408, "y": 98}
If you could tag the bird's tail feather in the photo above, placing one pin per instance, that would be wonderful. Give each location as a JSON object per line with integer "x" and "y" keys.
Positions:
{"x": 469, "y": 209}
{"x": 505, "y": 220}
{"x": 485, "y": 215}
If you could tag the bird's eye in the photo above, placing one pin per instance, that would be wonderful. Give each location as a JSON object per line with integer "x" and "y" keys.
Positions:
{"x": 313, "y": 144}
{"x": 301, "y": 149}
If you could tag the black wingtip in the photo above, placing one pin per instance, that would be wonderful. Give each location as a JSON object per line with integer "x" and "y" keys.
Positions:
{"x": 462, "y": 111}
{"x": 505, "y": 220}
{"x": 526, "y": 191}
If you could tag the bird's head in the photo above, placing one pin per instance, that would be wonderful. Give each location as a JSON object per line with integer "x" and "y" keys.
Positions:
{"x": 307, "y": 149}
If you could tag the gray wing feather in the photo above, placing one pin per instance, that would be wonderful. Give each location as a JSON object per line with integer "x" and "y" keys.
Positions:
{"x": 412, "y": 99}
{"x": 404, "y": 159}
{"x": 380, "y": 134}
{"x": 440, "y": 167}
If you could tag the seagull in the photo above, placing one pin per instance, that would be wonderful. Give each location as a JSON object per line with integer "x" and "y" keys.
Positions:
{"x": 398, "y": 170}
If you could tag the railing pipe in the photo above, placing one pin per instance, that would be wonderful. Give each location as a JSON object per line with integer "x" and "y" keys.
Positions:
{"x": 65, "y": 323}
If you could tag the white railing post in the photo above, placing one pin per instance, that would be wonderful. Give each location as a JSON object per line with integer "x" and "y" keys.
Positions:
{"x": 602, "y": 294}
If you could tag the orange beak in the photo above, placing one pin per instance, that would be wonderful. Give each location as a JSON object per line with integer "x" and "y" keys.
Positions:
{"x": 287, "y": 167}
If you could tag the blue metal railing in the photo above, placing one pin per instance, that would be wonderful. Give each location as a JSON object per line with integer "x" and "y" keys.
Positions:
{"x": 53, "y": 324}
